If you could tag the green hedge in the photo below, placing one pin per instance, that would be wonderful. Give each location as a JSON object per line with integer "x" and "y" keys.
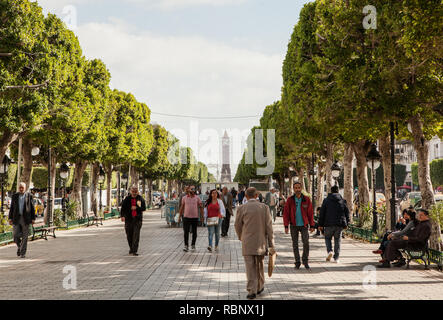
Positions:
{"x": 436, "y": 172}
{"x": 400, "y": 177}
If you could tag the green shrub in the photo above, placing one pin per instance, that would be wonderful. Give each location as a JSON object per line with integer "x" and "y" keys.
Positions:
{"x": 58, "y": 218}
{"x": 4, "y": 224}
{"x": 436, "y": 213}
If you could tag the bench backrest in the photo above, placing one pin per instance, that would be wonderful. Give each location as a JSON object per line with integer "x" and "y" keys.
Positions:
{"x": 38, "y": 225}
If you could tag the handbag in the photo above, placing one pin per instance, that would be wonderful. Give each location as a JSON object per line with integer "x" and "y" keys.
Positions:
{"x": 213, "y": 221}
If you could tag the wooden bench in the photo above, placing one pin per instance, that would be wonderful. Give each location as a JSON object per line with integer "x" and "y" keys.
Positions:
{"x": 93, "y": 219}
{"x": 44, "y": 230}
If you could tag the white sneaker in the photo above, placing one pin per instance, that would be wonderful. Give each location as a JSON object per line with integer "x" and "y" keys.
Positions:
{"x": 330, "y": 254}
{"x": 337, "y": 260}
{"x": 192, "y": 248}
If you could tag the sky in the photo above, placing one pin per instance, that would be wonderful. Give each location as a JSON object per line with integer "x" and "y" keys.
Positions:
{"x": 189, "y": 60}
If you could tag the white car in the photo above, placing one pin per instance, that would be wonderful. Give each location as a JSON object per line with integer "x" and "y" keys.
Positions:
{"x": 57, "y": 203}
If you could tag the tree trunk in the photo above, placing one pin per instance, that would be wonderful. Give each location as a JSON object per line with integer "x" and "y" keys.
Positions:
{"x": 80, "y": 167}
{"x": 52, "y": 191}
{"x": 108, "y": 170}
{"x": 144, "y": 188}
{"x": 421, "y": 146}
{"x": 93, "y": 187}
{"x": 301, "y": 178}
{"x": 385, "y": 151}
{"x": 320, "y": 183}
{"x": 348, "y": 178}
{"x": 134, "y": 178}
{"x": 169, "y": 189}
{"x": 27, "y": 162}
{"x": 149, "y": 193}
{"x": 361, "y": 149}
{"x": 329, "y": 162}
{"x": 291, "y": 184}
{"x": 308, "y": 170}
{"x": 281, "y": 183}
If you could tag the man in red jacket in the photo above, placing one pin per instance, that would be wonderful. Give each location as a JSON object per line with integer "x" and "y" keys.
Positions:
{"x": 297, "y": 216}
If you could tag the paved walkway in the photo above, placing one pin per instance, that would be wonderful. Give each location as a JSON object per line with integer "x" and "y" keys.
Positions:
{"x": 164, "y": 271}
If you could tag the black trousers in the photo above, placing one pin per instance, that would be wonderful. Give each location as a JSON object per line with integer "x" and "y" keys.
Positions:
{"x": 189, "y": 223}
{"x": 226, "y": 223}
{"x": 132, "y": 228}
{"x": 392, "y": 253}
{"x": 305, "y": 239}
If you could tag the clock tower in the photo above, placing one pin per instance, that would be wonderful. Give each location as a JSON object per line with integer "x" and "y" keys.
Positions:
{"x": 226, "y": 164}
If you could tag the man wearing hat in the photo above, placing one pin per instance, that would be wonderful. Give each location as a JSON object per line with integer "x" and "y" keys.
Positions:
{"x": 253, "y": 225}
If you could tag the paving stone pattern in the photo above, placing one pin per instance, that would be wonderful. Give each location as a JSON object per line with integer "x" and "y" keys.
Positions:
{"x": 163, "y": 271}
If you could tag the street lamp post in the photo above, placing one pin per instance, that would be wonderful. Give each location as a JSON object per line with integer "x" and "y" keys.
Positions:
{"x": 3, "y": 172}
{"x": 64, "y": 174}
{"x": 336, "y": 170}
{"x": 101, "y": 179}
{"x": 374, "y": 157}
{"x": 312, "y": 173}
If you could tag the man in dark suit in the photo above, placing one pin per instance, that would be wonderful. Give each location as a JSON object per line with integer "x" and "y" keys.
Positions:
{"x": 132, "y": 215}
{"x": 227, "y": 202}
{"x": 21, "y": 215}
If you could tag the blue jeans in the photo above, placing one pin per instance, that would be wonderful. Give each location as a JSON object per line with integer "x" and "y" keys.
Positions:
{"x": 335, "y": 232}
{"x": 214, "y": 230}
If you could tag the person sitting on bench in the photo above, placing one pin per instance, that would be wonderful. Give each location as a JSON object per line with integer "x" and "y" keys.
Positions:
{"x": 404, "y": 226}
{"x": 415, "y": 241}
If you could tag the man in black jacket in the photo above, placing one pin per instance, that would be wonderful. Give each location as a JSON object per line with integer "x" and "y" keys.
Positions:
{"x": 334, "y": 217}
{"x": 132, "y": 210}
{"x": 21, "y": 215}
{"x": 417, "y": 239}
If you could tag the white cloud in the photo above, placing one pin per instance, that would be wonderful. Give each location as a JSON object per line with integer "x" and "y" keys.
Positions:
{"x": 185, "y": 75}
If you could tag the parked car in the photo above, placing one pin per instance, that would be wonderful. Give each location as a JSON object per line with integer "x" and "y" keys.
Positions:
{"x": 438, "y": 198}
{"x": 381, "y": 200}
{"x": 57, "y": 203}
{"x": 158, "y": 199}
{"x": 410, "y": 200}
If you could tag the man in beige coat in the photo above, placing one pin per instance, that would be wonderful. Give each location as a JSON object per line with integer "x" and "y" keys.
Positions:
{"x": 253, "y": 225}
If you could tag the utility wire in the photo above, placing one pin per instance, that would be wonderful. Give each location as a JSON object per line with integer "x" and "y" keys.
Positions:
{"x": 200, "y": 117}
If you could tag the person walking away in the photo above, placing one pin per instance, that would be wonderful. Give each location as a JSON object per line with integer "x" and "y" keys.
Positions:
{"x": 191, "y": 205}
{"x": 132, "y": 210}
{"x": 214, "y": 214}
{"x": 21, "y": 215}
{"x": 334, "y": 218}
{"x": 298, "y": 215}
{"x": 253, "y": 225}
{"x": 227, "y": 199}
{"x": 271, "y": 201}
{"x": 234, "y": 195}
{"x": 241, "y": 196}
{"x": 260, "y": 197}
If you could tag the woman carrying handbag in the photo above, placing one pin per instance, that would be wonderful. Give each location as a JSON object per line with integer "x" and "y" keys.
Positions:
{"x": 214, "y": 213}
